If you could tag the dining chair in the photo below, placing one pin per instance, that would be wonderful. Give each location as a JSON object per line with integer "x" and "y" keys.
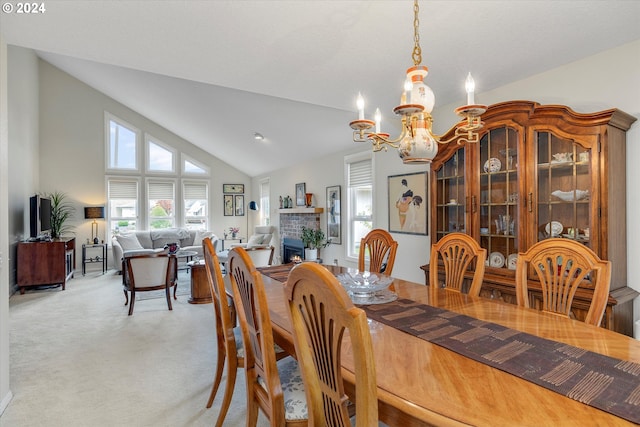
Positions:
{"x": 269, "y": 383}
{"x": 457, "y": 252}
{"x": 381, "y": 248}
{"x": 229, "y": 341}
{"x": 149, "y": 272}
{"x": 320, "y": 312}
{"x": 562, "y": 266}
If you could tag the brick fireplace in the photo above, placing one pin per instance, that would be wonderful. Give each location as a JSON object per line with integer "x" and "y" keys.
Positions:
{"x": 291, "y": 223}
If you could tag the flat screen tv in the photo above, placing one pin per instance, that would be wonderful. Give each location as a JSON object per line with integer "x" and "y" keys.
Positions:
{"x": 40, "y": 216}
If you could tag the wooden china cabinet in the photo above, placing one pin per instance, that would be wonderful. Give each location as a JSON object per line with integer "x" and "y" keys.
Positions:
{"x": 539, "y": 172}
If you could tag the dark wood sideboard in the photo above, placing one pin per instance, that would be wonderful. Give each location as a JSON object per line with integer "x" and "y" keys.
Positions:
{"x": 46, "y": 263}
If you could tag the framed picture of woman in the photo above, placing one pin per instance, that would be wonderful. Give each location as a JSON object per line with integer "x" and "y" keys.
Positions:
{"x": 408, "y": 203}
{"x": 333, "y": 215}
{"x": 300, "y": 191}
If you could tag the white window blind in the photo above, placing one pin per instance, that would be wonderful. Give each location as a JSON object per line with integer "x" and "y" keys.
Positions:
{"x": 195, "y": 191}
{"x": 360, "y": 173}
{"x": 123, "y": 189}
{"x": 160, "y": 190}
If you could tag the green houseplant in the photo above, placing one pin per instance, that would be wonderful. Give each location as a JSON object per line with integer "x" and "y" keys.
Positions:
{"x": 314, "y": 239}
{"x": 62, "y": 210}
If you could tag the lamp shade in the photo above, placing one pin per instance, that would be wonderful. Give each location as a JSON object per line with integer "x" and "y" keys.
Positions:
{"x": 253, "y": 205}
{"x": 94, "y": 212}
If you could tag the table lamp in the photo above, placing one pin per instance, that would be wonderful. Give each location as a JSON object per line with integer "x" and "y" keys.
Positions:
{"x": 94, "y": 212}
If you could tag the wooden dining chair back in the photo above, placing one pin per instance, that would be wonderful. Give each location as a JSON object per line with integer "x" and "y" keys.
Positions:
{"x": 269, "y": 384}
{"x": 381, "y": 249}
{"x": 562, "y": 266}
{"x": 228, "y": 339}
{"x": 459, "y": 254}
{"x": 149, "y": 272}
{"x": 320, "y": 312}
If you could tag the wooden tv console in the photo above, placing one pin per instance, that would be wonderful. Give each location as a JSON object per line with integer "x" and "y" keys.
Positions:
{"x": 46, "y": 263}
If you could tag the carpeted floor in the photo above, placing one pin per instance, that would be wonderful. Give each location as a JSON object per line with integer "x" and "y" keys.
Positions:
{"x": 77, "y": 359}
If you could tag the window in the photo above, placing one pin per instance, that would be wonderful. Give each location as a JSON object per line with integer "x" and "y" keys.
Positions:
{"x": 192, "y": 167}
{"x": 160, "y": 204}
{"x": 265, "y": 188}
{"x": 175, "y": 192}
{"x": 122, "y": 202}
{"x": 195, "y": 204}
{"x": 123, "y": 145}
{"x": 159, "y": 157}
{"x": 359, "y": 200}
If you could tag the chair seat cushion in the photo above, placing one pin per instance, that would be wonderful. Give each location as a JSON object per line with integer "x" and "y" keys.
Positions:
{"x": 237, "y": 333}
{"x": 295, "y": 401}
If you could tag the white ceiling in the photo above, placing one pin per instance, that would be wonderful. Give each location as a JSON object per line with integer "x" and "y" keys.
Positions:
{"x": 215, "y": 72}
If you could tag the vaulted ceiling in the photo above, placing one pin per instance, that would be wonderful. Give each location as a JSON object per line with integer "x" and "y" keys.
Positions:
{"x": 215, "y": 72}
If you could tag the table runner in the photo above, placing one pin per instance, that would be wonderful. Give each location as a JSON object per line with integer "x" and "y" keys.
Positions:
{"x": 606, "y": 383}
{"x": 610, "y": 384}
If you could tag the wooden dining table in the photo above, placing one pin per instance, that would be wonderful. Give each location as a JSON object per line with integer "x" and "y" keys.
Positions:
{"x": 421, "y": 383}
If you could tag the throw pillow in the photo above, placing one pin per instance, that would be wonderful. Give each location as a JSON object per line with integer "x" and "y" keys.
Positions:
{"x": 129, "y": 242}
{"x": 200, "y": 236}
{"x": 254, "y": 240}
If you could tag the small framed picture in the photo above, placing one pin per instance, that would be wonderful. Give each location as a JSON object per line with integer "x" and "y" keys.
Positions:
{"x": 408, "y": 203}
{"x": 228, "y": 205}
{"x": 333, "y": 214}
{"x": 233, "y": 188}
{"x": 300, "y": 191}
{"x": 239, "y": 205}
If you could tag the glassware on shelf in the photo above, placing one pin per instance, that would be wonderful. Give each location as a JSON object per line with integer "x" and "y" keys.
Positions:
{"x": 505, "y": 225}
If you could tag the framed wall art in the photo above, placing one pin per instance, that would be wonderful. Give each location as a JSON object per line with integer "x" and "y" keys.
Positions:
{"x": 239, "y": 205}
{"x": 300, "y": 191}
{"x": 408, "y": 203}
{"x": 228, "y": 204}
{"x": 233, "y": 188}
{"x": 334, "y": 232}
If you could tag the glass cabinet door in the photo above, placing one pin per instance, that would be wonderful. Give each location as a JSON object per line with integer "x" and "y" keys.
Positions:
{"x": 499, "y": 196}
{"x": 564, "y": 188}
{"x": 450, "y": 196}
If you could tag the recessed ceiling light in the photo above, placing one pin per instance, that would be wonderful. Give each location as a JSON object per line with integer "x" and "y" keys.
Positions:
{"x": 258, "y": 136}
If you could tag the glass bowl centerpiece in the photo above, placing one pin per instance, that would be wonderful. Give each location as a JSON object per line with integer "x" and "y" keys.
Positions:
{"x": 364, "y": 284}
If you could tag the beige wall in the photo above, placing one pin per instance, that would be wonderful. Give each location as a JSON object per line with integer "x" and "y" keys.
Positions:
{"x": 72, "y": 150}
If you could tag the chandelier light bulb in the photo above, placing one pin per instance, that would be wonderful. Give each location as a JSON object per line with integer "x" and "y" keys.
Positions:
{"x": 378, "y": 119}
{"x": 360, "y": 105}
{"x": 406, "y": 95}
{"x": 470, "y": 86}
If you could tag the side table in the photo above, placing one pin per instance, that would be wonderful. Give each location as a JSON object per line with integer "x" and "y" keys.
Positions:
{"x": 231, "y": 239}
{"x": 200, "y": 291}
{"x": 98, "y": 258}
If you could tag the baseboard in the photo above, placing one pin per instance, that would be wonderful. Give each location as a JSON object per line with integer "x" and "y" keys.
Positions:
{"x": 5, "y": 402}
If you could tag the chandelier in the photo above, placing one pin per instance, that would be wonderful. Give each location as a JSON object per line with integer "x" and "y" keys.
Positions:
{"x": 417, "y": 143}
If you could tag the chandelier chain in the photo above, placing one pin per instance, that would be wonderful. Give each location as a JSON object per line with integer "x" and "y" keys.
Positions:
{"x": 417, "y": 51}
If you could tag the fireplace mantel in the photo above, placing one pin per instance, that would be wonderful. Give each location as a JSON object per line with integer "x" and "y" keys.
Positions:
{"x": 301, "y": 211}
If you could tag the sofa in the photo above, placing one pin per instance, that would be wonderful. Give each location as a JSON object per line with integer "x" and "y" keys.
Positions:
{"x": 150, "y": 241}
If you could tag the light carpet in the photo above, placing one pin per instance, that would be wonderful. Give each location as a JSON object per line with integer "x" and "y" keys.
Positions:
{"x": 77, "y": 359}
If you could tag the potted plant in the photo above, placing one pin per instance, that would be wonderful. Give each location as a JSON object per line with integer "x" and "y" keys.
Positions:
{"x": 314, "y": 240}
{"x": 62, "y": 210}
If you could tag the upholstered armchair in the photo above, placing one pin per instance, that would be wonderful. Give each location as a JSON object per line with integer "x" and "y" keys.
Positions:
{"x": 261, "y": 237}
